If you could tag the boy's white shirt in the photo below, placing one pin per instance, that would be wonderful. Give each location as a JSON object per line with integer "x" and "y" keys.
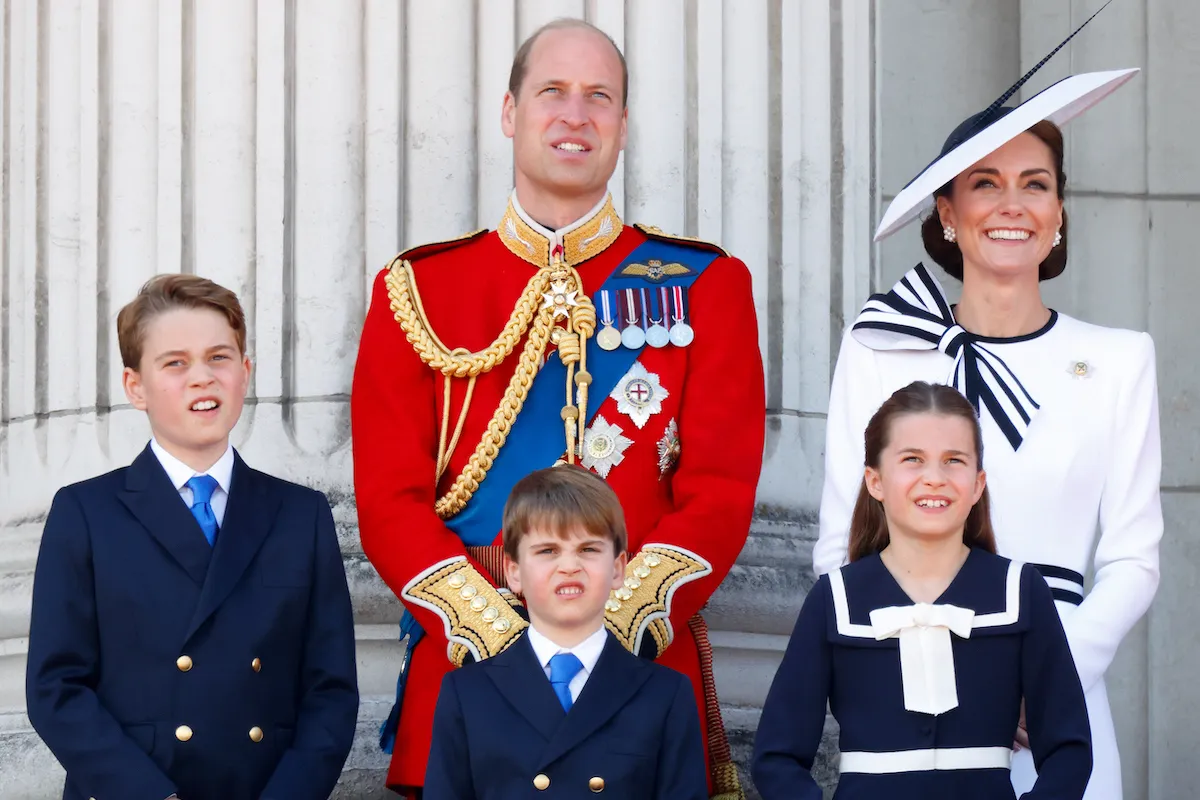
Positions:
{"x": 180, "y": 473}
{"x": 588, "y": 652}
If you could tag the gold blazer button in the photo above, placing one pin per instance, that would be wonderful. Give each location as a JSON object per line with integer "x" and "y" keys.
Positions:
{"x": 596, "y": 785}
{"x": 541, "y": 782}
{"x": 256, "y": 734}
{"x": 184, "y": 663}
{"x": 183, "y": 733}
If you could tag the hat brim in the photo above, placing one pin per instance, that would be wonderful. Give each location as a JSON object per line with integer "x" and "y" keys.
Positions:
{"x": 1057, "y": 103}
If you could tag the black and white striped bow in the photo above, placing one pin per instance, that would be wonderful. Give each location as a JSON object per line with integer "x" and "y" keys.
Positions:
{"x": 915, "y": 315}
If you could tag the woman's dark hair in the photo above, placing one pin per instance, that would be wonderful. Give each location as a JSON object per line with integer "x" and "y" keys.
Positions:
{"x": 947, "y": 254}
{"x": 868, "y": 525}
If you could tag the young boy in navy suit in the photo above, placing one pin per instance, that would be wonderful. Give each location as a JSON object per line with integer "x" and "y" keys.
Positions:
{"x": 565, "y": 711}
{"x": 191, "y": 633}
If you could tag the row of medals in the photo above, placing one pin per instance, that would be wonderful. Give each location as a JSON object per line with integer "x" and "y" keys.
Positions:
{"x": 635, "y": 334}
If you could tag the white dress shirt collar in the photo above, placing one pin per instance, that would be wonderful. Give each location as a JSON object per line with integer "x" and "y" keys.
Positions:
{"x": 588, "y": 651}
{"x": 180, "y": 473}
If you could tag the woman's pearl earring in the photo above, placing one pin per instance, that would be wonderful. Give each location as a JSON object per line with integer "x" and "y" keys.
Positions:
{"x": 1057, "y": 238}
{"x": 948, "y": 233}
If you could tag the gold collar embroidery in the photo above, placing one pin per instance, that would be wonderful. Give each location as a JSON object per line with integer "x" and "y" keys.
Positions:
{"x": 581, "y": 240}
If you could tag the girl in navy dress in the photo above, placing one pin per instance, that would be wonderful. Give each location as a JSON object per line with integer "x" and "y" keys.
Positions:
{"x": 924, "y": 645}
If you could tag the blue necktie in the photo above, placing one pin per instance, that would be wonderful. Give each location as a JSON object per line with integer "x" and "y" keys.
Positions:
{"x": 564, "y": 667}
{"x": 202, "y": 487}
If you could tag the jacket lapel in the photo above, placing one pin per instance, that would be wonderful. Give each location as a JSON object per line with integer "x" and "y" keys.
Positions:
{"x": 617, "y": 677}
{"x": 512, "y": 671}
{"x": 248, "y": 519}
{"x": 150, "y": 497}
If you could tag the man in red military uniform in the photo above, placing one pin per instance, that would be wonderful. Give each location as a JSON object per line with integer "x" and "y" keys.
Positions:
{"x": 564, "y": 335}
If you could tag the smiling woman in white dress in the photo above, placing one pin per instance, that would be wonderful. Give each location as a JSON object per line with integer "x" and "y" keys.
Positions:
{"x": 1069, "y": 410}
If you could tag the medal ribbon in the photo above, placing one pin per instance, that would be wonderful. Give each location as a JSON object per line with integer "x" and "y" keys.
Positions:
{"x": 654, "y": 311}
{"x": 678, "y": 302}
{"x": 605, "y": 308}
{"x": 630, "y": 307}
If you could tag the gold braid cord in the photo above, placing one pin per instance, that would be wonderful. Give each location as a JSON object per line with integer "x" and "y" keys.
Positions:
{"x": 553, "y": 291}
{"x": 726, "y": 785}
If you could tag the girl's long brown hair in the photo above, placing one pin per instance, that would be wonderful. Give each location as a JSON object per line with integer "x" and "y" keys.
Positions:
{"x": 868, "y": 526}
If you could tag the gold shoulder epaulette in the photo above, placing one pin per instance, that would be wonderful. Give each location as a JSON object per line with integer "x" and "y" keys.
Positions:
{"x": 429, "y": 248}
{"x": 657, "y": 233}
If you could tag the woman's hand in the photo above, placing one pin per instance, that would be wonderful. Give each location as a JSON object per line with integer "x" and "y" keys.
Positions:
{"x": 1021, "y": 739}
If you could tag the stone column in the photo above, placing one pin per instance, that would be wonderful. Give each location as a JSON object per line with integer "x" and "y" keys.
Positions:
{"x": 289, "y": 148}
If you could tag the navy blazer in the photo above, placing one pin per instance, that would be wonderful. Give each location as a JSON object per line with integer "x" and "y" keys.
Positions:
{"x": 160, "y": 665}
{"x": 1016, "y": 650}
{"x": 499, "y": 732}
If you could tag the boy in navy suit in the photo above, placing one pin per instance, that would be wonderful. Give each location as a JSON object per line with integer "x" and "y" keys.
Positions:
{"x": 191, "y": 633}
{"x": 565, "y": 711}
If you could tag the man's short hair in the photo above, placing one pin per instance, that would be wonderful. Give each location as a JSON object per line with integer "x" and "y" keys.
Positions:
{"x": 562, "y": 500}
{"x": 164, "y": 293}
{"x": 520, "y": 64}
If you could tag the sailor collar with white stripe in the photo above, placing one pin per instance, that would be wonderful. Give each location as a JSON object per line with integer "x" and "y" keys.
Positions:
{"x": 915, "y": 315}
{"x": 584, "y": 238}
{"x": 972, "y": 570}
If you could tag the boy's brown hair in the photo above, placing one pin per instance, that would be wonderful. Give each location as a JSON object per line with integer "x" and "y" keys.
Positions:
{"x": 561, "y": 500}
{"x": 168, "y": 292}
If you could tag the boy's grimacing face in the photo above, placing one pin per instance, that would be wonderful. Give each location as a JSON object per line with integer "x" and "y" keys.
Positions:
{"x": 191, "y": 382}
{"x": 565, "y": 581}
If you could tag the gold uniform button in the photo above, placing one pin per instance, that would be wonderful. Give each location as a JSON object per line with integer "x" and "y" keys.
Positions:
{"x": 183, "y": 733}
{"x": 541, "y": 782}
{"x": 184, "y": 663}
{"x": 256, "y": 665}
{"x": 256, "y": 734}
{"x": 596, "y": 785}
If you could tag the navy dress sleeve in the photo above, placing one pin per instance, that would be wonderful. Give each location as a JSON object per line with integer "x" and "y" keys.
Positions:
{"x": 793, "y": 717}
{"x": 1055, "y": 710}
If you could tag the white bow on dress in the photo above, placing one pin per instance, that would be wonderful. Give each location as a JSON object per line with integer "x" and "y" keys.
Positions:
{"x": 926, "y": 657}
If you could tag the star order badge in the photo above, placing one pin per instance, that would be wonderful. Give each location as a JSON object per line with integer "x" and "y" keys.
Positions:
{"x": 639, "y": 394}
{"x": 668, "y": 449}
{"x": 603, "y": 446}
{"x": 559, "y": 299}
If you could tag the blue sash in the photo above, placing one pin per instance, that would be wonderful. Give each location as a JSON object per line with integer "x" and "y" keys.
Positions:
{"x": 536, "y": 437}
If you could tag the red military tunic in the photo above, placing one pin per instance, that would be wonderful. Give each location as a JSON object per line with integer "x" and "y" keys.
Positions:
{"x": 700, "y": 500}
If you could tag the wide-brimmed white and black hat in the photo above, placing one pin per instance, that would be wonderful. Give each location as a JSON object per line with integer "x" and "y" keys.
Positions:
{"x": 990, "y": 129}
